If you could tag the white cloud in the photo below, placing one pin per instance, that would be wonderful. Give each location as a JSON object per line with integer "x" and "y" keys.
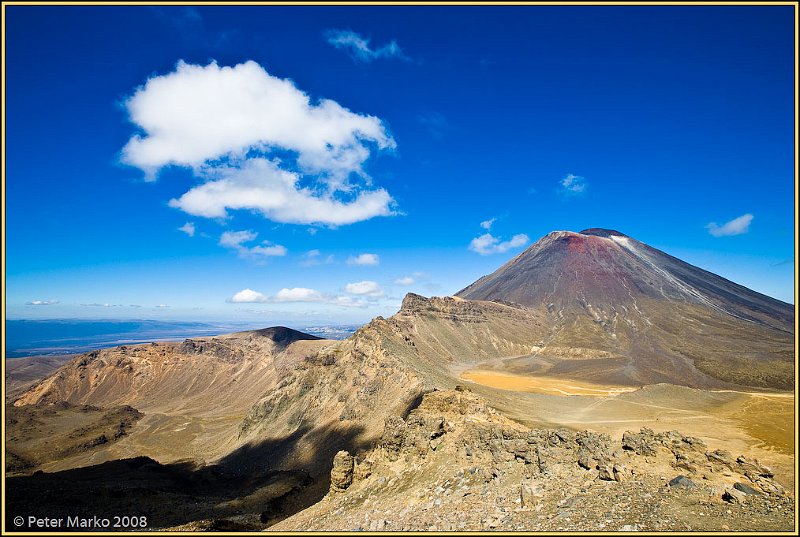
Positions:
{"x": 299, "y": 294}
{"x": 235, "y": 240}
{"x": 366, "y": 288}
{"x": 41, "y": 302}
{"x": 364, "y": 259}
{"x": 573, "y": 184}
{"x": 261, "y": 185}
{"x": 487, "y": 224}
{"x": 487, "y": 244}
{"x": 268, "y": 250}
{"x": 358, "y": 47}
{"x": 162, "y": 306}
{"x": 737, "y": 226}
{"x": 254, "y": 139}
{"x": 295, "y": 294}
{"x": 405, "y": 280}
{"x": 246, "y": 296}
{"x": 106, "y": 305}
{"x": 187, "y": 228}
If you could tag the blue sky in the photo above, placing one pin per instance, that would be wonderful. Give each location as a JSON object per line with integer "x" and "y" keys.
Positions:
{"x": 321, "y": 162}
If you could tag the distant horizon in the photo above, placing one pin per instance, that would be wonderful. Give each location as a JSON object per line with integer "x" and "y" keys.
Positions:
{"x": 56, "y": 337}
{"x": 326, "y": 160}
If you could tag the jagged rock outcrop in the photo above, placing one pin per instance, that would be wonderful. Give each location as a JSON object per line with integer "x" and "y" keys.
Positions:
{"x": 455, "y": 464}
{"x": 342, "y": 472}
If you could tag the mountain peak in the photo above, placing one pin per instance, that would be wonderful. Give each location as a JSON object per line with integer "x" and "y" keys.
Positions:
{"x": 612, "y": 293}
{"x": 565, "y": 266}
{"x": 600, "y": 232}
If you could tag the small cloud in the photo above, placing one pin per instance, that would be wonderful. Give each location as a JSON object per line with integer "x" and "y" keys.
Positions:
{"x": 187, "y": 228}
{"x": 161, "y": 306}
{"x": 487, "y": 224}
{"x": 105, "y": 305}
{"x": 364, "y": 259}
{"x": 235, "y": 240}
{"x": 365, "y": 288}
{"x": 737, "y": 226}
{"x": 487, "y": 244}
{"x": 573, "y": 185}
{"x": 41, "y": 302}
{"x": 298, "y": 294}
{"x": 247, "y": 296}
{"x": 405, "y": 280}
{"x": 134, "y": 306}
{"x": 357, "y": 46}
{"x": 312, "y": 231}
{"x": 268, "y": 250}
{"x": 787, "y": 261}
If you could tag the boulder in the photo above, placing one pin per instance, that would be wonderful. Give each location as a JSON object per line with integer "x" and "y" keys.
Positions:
{"x": 743, "y": 487}
{"x": 733, "y": 495}
{"x": 606, "y": 473}
{"x": 642, "y": 443}
{"x": 342, "y": 472}
{"x": 720, "y": 456}
{"x": 682, "y": 482}
{"x": 621, "y": 473}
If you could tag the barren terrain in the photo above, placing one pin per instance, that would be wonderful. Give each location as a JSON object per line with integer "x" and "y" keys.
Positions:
{"x": 452, "y": 414}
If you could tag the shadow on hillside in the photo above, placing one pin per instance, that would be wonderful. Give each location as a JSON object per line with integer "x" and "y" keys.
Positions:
{"x": 249, "y": 489}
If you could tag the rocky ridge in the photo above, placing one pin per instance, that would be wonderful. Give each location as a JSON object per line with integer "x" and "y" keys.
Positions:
{"x": 455, "y": 464}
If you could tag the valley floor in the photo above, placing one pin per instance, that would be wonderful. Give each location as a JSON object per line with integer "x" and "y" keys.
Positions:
{"x": 756, "y": 423}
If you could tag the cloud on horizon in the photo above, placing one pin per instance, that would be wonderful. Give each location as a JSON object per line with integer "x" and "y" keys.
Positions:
{"x": 41, "y": 302}
{"x": 737, "y": 226}
{"x": 357, "y": 46}
{"x": 299, "y": 294}
{"x": 257, "y": 142}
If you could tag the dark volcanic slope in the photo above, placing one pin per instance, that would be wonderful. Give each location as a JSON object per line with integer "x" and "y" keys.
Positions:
{"x": 602, "y": 289}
